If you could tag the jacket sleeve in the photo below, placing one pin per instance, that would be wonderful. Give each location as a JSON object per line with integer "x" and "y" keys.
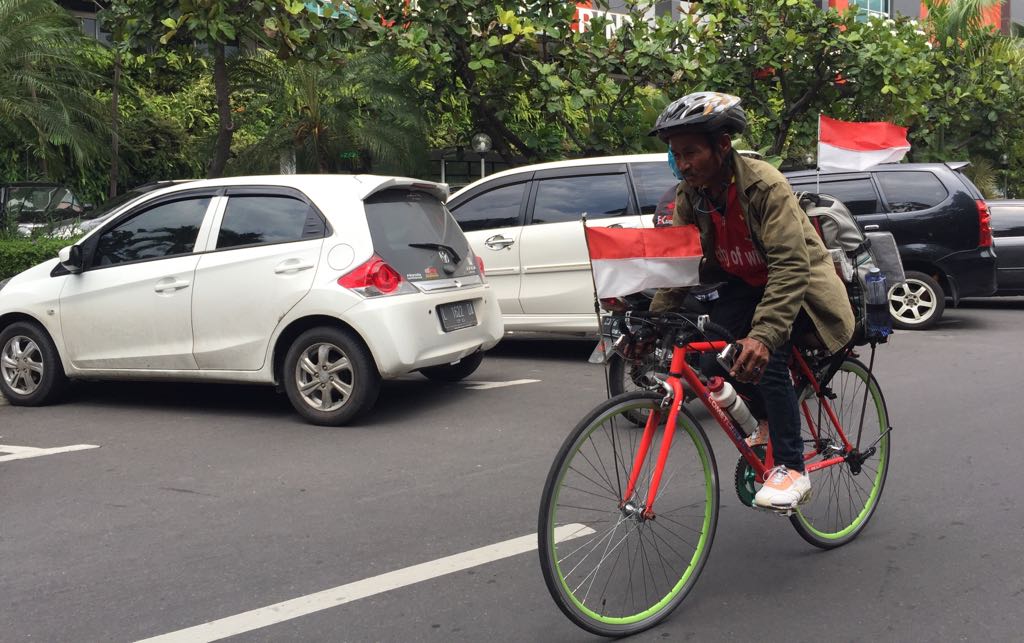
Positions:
{"x": 782, "y": 239}
{"x": 672, "y": 298}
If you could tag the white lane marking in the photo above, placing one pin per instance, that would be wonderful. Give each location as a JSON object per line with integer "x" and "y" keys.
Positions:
{"x": 481, "y": 386}
{"x": 296, "y": 607}
{"x": 21, "y": 453}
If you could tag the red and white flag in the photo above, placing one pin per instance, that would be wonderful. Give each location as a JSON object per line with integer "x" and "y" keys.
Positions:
{"x": 857, "y": 146}
{"x": 628, "y": 260}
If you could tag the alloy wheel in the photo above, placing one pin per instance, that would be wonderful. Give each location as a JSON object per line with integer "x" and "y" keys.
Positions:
{"x": 324, "y": 377}
{"x": 21, "y": 364}
{"x": 912, "y": 302}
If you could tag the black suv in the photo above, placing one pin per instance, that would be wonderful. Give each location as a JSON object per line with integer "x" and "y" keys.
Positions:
{"x": 940, "y": 222}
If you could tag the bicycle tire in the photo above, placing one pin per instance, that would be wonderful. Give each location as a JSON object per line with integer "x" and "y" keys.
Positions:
{"x": 571, "y": 530}
{"x": 842, "y": 501}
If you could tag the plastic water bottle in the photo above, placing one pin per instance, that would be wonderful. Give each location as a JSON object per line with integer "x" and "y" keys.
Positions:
{"x": 879, "y": 321}
{"x": 725, "y": 396}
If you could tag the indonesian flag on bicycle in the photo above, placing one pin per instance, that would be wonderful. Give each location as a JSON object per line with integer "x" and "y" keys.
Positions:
{"x": 628, "y": 260}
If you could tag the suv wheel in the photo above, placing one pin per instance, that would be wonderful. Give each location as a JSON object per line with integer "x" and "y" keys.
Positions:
{"x": 456, "y": 371}
{"x": 30, "y": 370}
{"x": 918, "y": 303}
{"x": 329, "y": 376}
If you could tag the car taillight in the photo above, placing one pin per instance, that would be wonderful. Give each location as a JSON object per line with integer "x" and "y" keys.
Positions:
{"x": 480, "y": 265}
{"x": 374, "y": 279}
{"x": 984, "y": 225}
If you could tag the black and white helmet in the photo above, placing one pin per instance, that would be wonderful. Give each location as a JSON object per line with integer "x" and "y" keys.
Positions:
{"x": 710, "y": 112}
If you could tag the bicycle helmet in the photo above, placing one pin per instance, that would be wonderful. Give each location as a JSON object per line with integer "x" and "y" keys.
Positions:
{"x": 710, "y": 112}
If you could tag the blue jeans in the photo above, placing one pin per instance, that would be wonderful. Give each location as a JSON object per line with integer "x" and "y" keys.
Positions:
{"x": 773, "y": 397}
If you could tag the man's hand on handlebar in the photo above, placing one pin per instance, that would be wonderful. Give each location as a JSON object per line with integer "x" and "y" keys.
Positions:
{"x": 749, "y": 366}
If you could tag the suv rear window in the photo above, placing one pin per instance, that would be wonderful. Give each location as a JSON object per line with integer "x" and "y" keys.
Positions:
{"x": 911, "y": 191}
{"x": 857, "y": 194}
{"x": 417, "y": 236}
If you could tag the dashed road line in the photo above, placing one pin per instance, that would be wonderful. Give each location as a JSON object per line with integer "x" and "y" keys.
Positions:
{"x": 296, "y": 607}
{"x": 482, "y": 386}
{"x": 22, "y": 453}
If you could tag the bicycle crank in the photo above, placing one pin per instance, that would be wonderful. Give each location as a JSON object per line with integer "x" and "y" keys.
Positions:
{"x": 746, "y": 478}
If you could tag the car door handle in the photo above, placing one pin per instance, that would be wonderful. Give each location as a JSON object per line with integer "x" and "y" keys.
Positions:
{"x": 170, "y": 285}
{"x": 292, "y": 265}
{"x": 869, "y": 228}
{"x": 498, "y": 242}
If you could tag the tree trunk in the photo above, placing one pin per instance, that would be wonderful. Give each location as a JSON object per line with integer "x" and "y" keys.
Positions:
{"x": 115, "y": 119}
{"x": 225, "y": 128}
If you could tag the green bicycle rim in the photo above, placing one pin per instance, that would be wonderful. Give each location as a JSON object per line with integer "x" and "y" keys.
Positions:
{"x": 698, "y": 550}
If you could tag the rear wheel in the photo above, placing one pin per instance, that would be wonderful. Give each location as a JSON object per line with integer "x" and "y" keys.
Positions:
{"x": 845, "y": 496}
{"x": 30, "y": 370}
{"x": 329, "y": 376}
{"x": 918, "y": 303}
{"x": 455, "y": 371}
{"x": 612, "y": 570}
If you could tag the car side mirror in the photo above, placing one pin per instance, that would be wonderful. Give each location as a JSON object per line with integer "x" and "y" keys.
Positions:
{"x": 71, "y": 258}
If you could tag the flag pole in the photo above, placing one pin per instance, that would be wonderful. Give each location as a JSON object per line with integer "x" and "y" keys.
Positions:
{"x": 817, "y": 160}
{"x": 597, "y": 308}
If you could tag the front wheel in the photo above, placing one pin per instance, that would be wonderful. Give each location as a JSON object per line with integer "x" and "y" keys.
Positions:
{"x": 30, "y": 370}
{"x": 610, "y": 568}
{"x": 329, "y": 376}
{"x": 844, "y": 496}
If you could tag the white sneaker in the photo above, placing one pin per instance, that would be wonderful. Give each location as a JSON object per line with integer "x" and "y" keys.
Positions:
{"x": 783, "y": 489}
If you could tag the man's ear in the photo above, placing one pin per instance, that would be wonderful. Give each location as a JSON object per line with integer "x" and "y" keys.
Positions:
{"x": 725, "y": 143}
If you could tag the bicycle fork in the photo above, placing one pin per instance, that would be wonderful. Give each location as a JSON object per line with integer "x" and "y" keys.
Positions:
{"x": 673, "y": 398}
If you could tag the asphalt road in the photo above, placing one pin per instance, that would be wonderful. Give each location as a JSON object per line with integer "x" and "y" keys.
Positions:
{"x": 205, "y": 502}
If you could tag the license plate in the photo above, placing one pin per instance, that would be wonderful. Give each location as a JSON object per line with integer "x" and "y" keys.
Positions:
{"x": 454, "y": 316}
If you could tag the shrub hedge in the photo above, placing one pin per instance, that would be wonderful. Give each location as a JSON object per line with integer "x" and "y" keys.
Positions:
{"x": 17, "y": 255}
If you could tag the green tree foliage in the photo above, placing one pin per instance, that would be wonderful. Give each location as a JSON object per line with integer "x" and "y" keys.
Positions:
{"x": 790, "y": 61}
{"x": 359, "y": 114}
{"x": 521, "y": 74}
{"x": 288, "y": 27}
{"x": 47, "y": 106}
{"x": 977, "y": 84}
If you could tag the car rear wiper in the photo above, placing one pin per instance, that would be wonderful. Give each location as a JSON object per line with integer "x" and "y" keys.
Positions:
{"x": 438, "y": 246}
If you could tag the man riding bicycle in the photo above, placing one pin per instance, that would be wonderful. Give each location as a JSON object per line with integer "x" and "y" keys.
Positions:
{"x": 778, "y": 280}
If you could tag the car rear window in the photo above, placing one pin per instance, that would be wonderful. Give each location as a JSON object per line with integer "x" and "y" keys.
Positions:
{"x": 911, "y": 191}
{"x": 417, "y": 236}
{"x": 857, "y": 194}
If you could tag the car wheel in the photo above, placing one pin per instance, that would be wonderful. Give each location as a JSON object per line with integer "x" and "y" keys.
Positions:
{"x": 329, "y": 376}
{"x": 456, "y": 371}
{"x": 30, "y": 370}
{"x": 918, "y": 303}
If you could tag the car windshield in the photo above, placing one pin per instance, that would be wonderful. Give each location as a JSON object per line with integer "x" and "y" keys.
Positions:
{"x": 417, "y": 236}
{"x": 39, "y": 204}
{"x": 115, "y": 203}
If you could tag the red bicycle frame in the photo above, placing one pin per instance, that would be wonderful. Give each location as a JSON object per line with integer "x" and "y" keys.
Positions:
{"x": 680, "y": 372}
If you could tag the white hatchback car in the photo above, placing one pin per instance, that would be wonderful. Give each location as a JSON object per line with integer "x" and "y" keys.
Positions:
{"x": 323, "y": 285}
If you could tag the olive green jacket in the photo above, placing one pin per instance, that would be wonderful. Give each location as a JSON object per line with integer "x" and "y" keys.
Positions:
{"x": 800, "y": 272}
